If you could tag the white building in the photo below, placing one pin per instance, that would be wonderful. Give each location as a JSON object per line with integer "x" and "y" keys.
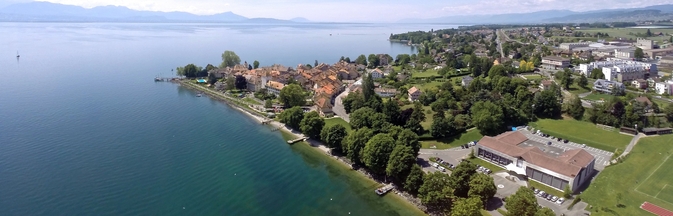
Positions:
{"x": 376, "y": 74}
{"x": 628, "y": 54}
{"x": 385, "y": 92}
{"x": 621, "y": 70}
{"x": 274, "y": 87}
{"x": 571, "y": 46}
{"x": 664, "y": 87}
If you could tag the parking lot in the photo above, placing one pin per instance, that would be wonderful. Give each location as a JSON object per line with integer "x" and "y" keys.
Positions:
{"x": 602, "y": 156}
{"x": 451, "y": 156}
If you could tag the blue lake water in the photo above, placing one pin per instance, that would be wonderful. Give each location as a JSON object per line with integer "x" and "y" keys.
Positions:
{"x": 84, "y": 130}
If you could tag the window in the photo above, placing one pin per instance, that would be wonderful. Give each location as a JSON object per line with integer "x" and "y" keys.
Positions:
{"x": 519, "y": 163}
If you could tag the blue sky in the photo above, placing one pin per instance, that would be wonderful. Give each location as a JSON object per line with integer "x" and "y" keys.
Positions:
{"x": 358, "y": 10}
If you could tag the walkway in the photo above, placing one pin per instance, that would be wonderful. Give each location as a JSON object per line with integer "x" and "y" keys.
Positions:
{"x": 632, "y": 144}
{"x": 338, "y": 108}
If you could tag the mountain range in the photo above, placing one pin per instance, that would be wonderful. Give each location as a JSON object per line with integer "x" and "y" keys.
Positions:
{"x": 52, "y": 12}
{"x": 656, "y": 12}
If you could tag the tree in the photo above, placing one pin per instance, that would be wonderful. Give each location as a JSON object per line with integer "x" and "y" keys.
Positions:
{"x": 460, "y": 178}
{"x": 467, "y": 207}
{"x": 312, "y": 125}
{"x": 268, "y": 104}
{"x": 669, "y": 112}
{"x": 487, "y": 117}
{"x": 545, "y": 212}
{"x": 362, "y": 60}
{"x": 292, "y": 95}
{"x": 292, "y": 117}
{"x": 565, "y": 78}
{"x": 230, "y": 83}
{"x": 522, "y": 203}
{"x": 649, "y": 33}
{"x": 240, "y": 82}
{"x": 374, "y": 61}
{"x": 229, "y": 59}
{"x": 567, "y": 193}
{"x": 496, "y": 71}
{"x": 639, "y": 53}
{"x": 368, "y": 87}
{"x": 441, "y": 127}
{"x": 255, "y": 64}
{"x": 333, "y": 135}
{"x": 582, "y": 81}
{"x": 355, "y": 142}
{"x": 414, "y": 179}
{"x": 575, "y": 108}
{"x": 376, "y": 153}
{"x": 400, "y": 162}
{"x": 347, "y": 59}
{"x": 597, "y": 73}
{"x": 482, "y": 186}
{"x": 417, "y": 116}
{"x": 211, "y": 78}
{"x": 547, "y": 104}
{"x": 361, "y": 118}
{"x": 392, "y": 110}
{"x": 436, "y": 192}
{"x": 190, "y": 70}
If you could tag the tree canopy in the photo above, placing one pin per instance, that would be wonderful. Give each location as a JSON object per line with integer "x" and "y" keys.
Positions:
{"x": 414, "y": 179}
{"x": 400, "y": 162}
{"x": 333, "y": 135}
{"x": 240, "y": 82}
{"x": 229, "y": 59}
{"x": 575, "y": 108}
{"x": 482, "y": 186}
{"x": 292, "y": 117}
{"x": 460, "y": 178}
{"x": 436, "y": 192}
{"x": 467, "y": 207}
{"x": 362, "y": 59}
{"x": 377, "y": 151}
{"x": 255, "y": 64}
{"x": 487, "y": 117}
{"x": 292, "y": 95}
{"x": 355, "y": 142}
{"x": 522, "y": 203}
{"x": 312, "y": 124}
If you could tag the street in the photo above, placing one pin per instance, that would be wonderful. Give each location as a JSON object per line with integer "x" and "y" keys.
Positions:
{"x": 338, "y": 108}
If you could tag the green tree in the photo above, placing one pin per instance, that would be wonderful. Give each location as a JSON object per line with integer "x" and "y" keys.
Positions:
{"x": 376, "y": 153}
{"x": 547, "y": 104}
{"x": 639, "y": 53}
{"x": 268, "y": 104}
{"x": 460, "y": 178}
{"x": 312, "y": 124}
{"x": 545, "y": 212}
{"x": 575, "y": 108}
{"x": 361, "y": 118}
{"x": 255, "y": 64}
{"x": 482, "y": 186}
{"x": 441, "y": 127}
{"x": 190, "y": 70}
{"x": 230, "y": 83}
{"x": 240, "y": 82}
{"x": 497, "y": 71}
{"x": 436, "y": 192}
{"x": 333, "y": 135}
{"x": 567, "y": 193}
{"x": 315, "y": 63}
{"x": 522, "y": 203}
{"x": 347, "y": 59}
{"x": 417, "y": 116}
{"x": 180, "y": 71}
{"x": 292, "y": 95}
{"x": 414, "y": 179}
{"x": 374, "y": 61}
{"x": 229, "y": 59}
{"x": 368, "y": 87}
{"x": 597, "y": 73}
{"x": 487, "y": 117}
{"x": 565, "y": 77}
{"x": 392, "y": 110}
{"x": 649, "y": 33}
{"x": 582, "y": 81}
{"x": 668, "y": 111}
{"x": 400, "y": 162}
{"x": 467, "y": 207}
{"x": 362, "y": 60}
{"x": 353, "y": 101}
{"x": 355, "y": 142}
{"x": 292, "y": 117}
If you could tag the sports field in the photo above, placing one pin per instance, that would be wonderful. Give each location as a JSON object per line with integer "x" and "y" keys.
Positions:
{"x": 645, "y": 176}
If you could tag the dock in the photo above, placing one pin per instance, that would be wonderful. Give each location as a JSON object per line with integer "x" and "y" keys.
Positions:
{"x": 164, "y": 79}
{"x": 296, "y": 140}
{"x": 385, "y": 189}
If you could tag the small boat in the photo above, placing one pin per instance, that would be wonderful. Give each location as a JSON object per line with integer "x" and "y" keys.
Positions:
{"x": 385, "y": 189}
{"x": 198, "y": 95}
{"x": 158, "y": 79}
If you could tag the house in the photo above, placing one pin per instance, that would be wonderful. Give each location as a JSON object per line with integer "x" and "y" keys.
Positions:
{"x": 376, "y": 73}
{"x": 605, "y": 86}
{"x": 639, "y": 83}
{"x": 274, "y": 87}
{"x": 516, "y": 64}
{"x": 323, "y": 105}
{"x": 545, "y": 84}
{"x": 538, "y": 161}
{"x": 645, "y": 101}
{"x": 664, "y": 87}
{"x": 555, "y": 62}
{"x": 386, "y": 92}
{"x": 466, "y": 80}
{"x": 414, "y": 93}
{"x": 254, "y": 83}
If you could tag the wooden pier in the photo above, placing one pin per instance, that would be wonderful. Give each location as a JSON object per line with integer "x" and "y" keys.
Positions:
{"x": 164, "y": 79}
{"x": 296, "y": 140}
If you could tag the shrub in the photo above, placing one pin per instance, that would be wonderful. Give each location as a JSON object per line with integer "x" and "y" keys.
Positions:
{"x": 575, "y": 201}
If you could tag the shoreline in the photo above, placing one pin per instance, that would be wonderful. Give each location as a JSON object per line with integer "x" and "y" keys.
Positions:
{"x": 316, "y": 146}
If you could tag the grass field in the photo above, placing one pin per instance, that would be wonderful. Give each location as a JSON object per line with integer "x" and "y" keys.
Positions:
{"x": 576, "y": 89}
{"x": 454, "y": 141}
{"x": 624, "y": 32}
{"x": 251, "y": 101}
{"x": 428, "y": 115}
{"x": 645, "y": 175}
{"x": 424, "y": 74}
{"x": 584, "y": 133}
{"x": 533, "y": 77}
{"x": 598, "y": 97}
{"x": 334, "y": 121}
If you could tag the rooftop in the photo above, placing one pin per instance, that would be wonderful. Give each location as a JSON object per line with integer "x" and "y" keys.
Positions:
{"x": 555, "y": 58}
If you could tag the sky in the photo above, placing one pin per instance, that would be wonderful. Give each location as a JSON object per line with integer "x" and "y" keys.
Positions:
{"x": 358, "y": 10}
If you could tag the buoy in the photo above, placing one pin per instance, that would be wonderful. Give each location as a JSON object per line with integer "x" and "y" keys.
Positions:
{"x": 183, "y": 207}
{"x": 234, "y": 173}
{"x": 330, "y": 198}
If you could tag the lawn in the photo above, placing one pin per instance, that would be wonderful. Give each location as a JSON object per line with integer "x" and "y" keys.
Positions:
{"x": 454, "y": 141}
{"x": 645, "y": 175}
{"x": 533, "y": 77}
{"x": 482, "y": 162}
{"x": 251, "y": 101}
{"x": 428, "y": 115}
{"x": 424, "y": 74}
{"x": 576, "y": 89}
{"x": 335, "y": 121}
{"x": 598, "y": 97}
{"x": 583, "y": 133}
{"x": 545, "y": 188}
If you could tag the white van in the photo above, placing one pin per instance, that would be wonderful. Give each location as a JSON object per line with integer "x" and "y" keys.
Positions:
{"x": 435, "y": 165}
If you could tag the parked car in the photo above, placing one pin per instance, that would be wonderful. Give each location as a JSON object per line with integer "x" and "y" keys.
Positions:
{"x": 435, "y": 165}
{"x": 462, "y": 146}
{"x": 560, "y": 201}
{"x": 565, "y": 141}
{"x": 549, "y": 197}
{"x": 535, "y": 191}
{"x": 542, "y": 193}
{"x": 553, "y": 199}
{"x": 442, "y": 169}
{"x": 488, "y": 171}
{"x": 559, "y": 139}
{"x": 549, "y": 143}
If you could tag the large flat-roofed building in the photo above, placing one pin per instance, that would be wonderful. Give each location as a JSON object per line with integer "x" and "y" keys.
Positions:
{"x": 621, "y": 70}
{"x": 555, "y": 62}
{"x": 546, "y": 164}
{"x": 571, "y": 46}
{"x": 644, "y": 43}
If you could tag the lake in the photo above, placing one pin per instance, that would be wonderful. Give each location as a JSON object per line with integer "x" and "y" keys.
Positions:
{"x": 84, "y": 129}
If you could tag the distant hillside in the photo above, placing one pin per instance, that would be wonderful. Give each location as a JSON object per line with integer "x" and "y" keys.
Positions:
{"x": 658, "y": 12}
{"x": 45, "y": 11}
{"x": 300, "y": 19}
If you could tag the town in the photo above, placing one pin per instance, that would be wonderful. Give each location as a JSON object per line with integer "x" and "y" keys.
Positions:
{"x": 556, "y": 119}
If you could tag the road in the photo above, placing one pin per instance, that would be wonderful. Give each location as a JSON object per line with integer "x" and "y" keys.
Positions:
{"x": 338, "y": 108}
{"x": 497, "y": 34}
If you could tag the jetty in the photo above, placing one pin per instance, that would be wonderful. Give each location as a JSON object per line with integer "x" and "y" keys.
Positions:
{"x": 164, "y": 79}
{"x": 297, "y": 140}
{"x": 385, "y": 189}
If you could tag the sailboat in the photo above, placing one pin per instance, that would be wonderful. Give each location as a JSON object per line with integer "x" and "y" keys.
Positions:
{"x": 17, "y": 54}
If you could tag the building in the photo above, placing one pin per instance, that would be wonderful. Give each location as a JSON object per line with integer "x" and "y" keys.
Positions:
{"x": 628, "y": 54}
{"x": 571, "y": 46}
{"x": 466, "y": 80}
{"x": 545, "y": 85}
{"x": 666, "y": 60}
{"x": 621, "y": 70}
{"x": 664, "y": 87}
{"x": 639, "y": 83}
{"x": 645, "y": 101}
{"x": 323, "y": 105}
{"x": 606, "y": 86}
{"x": 644, "y": 43}
{"x": 376, "y": 74}
{"x": 546, "y": 164}
{"x": 274, "y": 87}
{"x": 555, "y": 62}
{"x": 386, "y": 92}
{"x": 414, "y": 93}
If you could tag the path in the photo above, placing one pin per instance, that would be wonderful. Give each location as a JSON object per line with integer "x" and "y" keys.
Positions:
{"x": 338, "y": 108}
{"x": 632, "y": 144}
